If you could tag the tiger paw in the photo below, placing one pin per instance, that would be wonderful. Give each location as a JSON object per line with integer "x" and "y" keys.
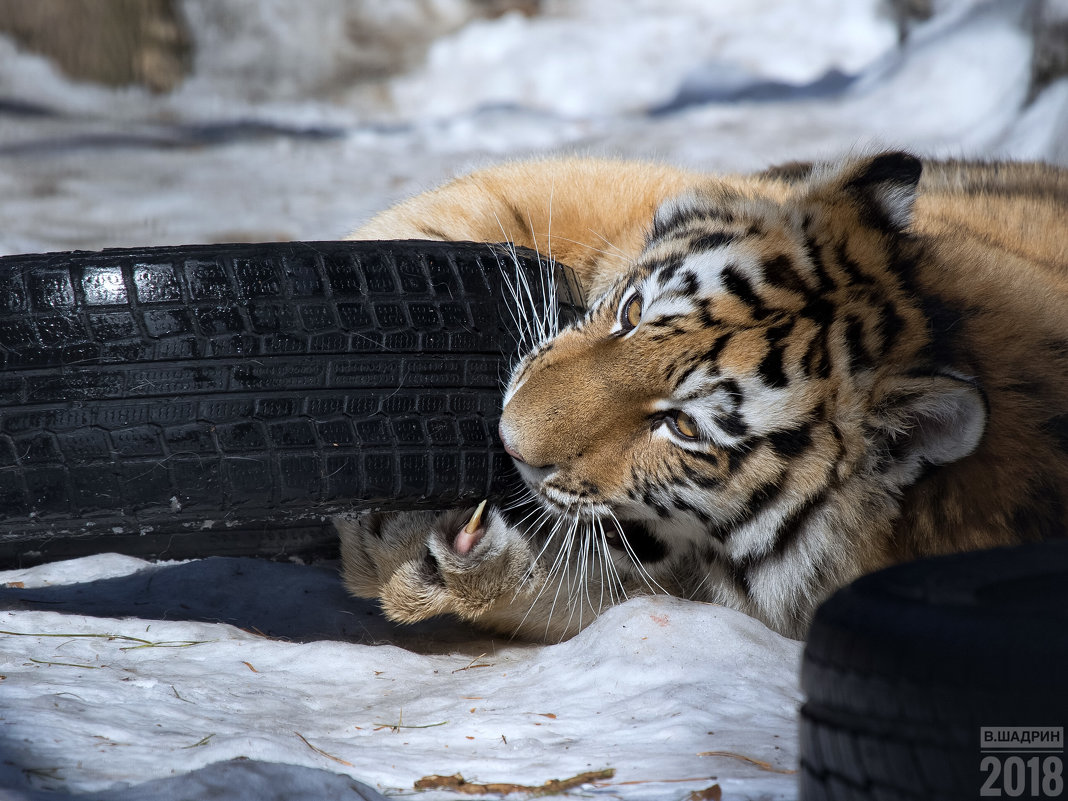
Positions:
{"x": 471, "y": 564}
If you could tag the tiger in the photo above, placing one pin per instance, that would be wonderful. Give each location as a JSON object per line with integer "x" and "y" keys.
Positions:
{"x": 783, "y": 380}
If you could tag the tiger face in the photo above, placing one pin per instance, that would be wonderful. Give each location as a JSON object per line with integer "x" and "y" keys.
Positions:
{"x": 764, "y": 369}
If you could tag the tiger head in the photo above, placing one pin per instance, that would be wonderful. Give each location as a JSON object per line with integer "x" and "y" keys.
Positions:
{"x": 759, "y": 387}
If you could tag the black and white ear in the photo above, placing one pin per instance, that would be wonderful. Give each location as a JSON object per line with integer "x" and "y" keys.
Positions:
{"x": 938, "y": 418}
{"x": 884, "y": 186}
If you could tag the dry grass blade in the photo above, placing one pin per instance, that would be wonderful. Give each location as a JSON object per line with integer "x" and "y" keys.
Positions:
{"x": 141, "y": 642}
{"x": 459, "y": 784}
{"x": 756, "y": 762}
{"x": 321, "y": 752}
{"x": 199, "y": 743}
{"x": 687, "y": 780}
{"x": 65, "y": 664}
{"x": 472, "y": 664}
{"x": 164, "y": 644}
{"x": 399, "y": 726}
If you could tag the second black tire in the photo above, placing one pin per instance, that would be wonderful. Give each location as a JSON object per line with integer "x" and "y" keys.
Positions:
{"x": 940, "y": 680}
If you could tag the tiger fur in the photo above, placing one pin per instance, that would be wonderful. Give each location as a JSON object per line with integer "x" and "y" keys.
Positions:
{"x": 784, "y": 380}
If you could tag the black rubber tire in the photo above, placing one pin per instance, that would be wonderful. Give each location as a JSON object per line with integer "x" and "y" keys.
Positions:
{"x": 225, "y": 399}
{"x": 904, "y": 667}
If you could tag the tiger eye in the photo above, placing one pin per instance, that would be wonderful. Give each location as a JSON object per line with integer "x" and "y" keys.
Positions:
{"x": 685, "y": 425}
{"x": 634, "y": 312}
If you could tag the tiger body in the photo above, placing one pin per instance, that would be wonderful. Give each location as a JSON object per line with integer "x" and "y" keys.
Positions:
{"x": 784, "y": 381}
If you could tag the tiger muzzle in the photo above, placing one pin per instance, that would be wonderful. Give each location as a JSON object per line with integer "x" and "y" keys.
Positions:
{"x": 572, "y": 416}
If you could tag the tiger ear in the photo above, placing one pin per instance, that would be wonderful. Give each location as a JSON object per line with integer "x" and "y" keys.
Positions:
{"x": 884, "y": 188}
{"x": 938, "y": 418}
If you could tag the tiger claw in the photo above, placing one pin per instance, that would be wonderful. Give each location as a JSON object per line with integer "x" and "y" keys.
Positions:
{"x": 471, "y": 533}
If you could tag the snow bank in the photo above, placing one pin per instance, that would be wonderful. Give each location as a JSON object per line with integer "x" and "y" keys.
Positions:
{"x": 598, "y": 57}
{"x": 139, "y": 690}
{"x": 122, "y": 176}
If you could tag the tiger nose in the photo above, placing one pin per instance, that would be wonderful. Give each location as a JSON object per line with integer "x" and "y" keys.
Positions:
{"x": 509, "y": 448}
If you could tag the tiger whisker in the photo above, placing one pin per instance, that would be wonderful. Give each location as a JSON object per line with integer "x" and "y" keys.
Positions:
{"x": 529, "y": 322}
{"x": 619, "y": 252}
{"x": 537, "y": 328}
{"x": 584, "y": 571}
{"x": 548, "y": 540}
{"x": 610, "y": 565}
{"x": 615, "y": 253}
{"x": 646, "y": 577}
{"x": 564, "y": 560}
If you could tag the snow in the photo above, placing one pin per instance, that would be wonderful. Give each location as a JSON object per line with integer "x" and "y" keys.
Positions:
{"x": 634, "y": 55}
{"x": 262, "y": 655}
{"x": 503, "y": 88}
{"x": 295, "y": 673}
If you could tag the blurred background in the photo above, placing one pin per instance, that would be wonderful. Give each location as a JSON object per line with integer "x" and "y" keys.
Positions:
{"x": 151, "y": 122}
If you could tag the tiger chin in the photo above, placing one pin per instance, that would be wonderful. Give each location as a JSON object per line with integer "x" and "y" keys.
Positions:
{"x": 784, "y": 380}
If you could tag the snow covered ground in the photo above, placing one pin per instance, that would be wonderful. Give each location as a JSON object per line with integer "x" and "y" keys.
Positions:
{"x": 113, "y": 684}
{"x": 258, "y": 681}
